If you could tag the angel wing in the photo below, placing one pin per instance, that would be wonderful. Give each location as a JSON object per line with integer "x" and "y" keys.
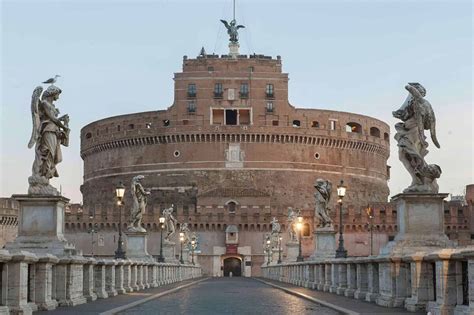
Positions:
{"x": 239, "y": 26}
{"x": 35, "y": 99}
{"x": 225, "y": 23}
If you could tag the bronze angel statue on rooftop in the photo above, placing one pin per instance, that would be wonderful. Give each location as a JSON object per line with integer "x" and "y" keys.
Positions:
{"x": 232, "y": 29}
{"x": 49, "y": 132}
{"x": 417, "y": 116}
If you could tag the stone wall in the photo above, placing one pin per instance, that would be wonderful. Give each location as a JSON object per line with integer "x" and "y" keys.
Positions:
{"x": 8, "y": 220}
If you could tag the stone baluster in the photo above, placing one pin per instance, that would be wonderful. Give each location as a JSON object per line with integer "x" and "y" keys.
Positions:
{"x": 342, "y": 283}
{"x": 5, "y": 257}
{"x": 321, "y": 277}
{"x": 328, "y": 277}
{"x": 140, "y": 283}
{"x": 17, "y": 294}
{"x": 44, "y": 282}
{"x": 393, "y": 282}
{"x": 146, "y": 283}
{"x": 119, "y": 277}
{"x": 446, "y": 293}
{"x": 99, "y": 280}
{"x": 422, "y": 288}
{"x": 110, "y": 277}
{"x": 308, "y": 275}
{"x": 351, "y": 279}
{"x": 373, "y": 281}
{"x": 362, "y": 279}
{"x": 314, "y": 276}
{"x": 154, "y": 275}
{"x": 334, "y": 278}
{"x": 127, "y": 276}
{"x": 88, "y": 280}
{"x": 134, "y": 276}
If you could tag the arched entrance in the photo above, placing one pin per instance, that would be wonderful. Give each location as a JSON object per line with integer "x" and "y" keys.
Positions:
{"x": 234, "y": 265}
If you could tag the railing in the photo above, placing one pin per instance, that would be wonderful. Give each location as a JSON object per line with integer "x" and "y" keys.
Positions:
{"x": 441, "y": 282}
{"x": 31, "y": 282}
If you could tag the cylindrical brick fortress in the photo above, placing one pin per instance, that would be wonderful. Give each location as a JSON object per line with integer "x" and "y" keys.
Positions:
{"x": 231, "y": 128}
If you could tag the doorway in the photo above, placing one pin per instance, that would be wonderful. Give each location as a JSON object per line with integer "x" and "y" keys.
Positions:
{"x": 231, "y": 117}
{"x": 234, "y": 265}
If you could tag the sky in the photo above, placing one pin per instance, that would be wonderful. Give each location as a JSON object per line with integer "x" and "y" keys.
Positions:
{"x": 118, "y": 57}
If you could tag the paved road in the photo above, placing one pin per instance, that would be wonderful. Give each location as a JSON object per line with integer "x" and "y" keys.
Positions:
{"x": 230, "y": 296}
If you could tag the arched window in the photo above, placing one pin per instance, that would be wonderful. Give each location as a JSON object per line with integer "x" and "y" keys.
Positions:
{"x": 296, "y": 123}
{"x": 231, "y": 206}
{"x": 353, "y": 127}
{"x": 88, "y": 135}
{"x": 375, "y": 132}
{"x": 315, "y": 124}
{"x": 306, "y": 230}
{"x": 386, "y": 136}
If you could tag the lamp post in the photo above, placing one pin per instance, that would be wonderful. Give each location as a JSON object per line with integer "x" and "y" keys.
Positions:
{"x": 269, "y": 249}
{"x": 341, "y": 252}
{"x": 370, "y": 214}
{"x": 299, "y": 227}
{"x": 161, "y": 258}
{"x": 119, "y": 193}
{"x": 279, "y": 248}
{"x": 193, "y": 246}
{"x": 181, "y": 240}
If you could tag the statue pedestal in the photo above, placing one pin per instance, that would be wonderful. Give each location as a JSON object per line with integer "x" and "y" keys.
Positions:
{"x": 420, "y": 224}
{"x": 234, "y": 50}
{"x": 325, "y": 243}
{"x": 275, "y": 255}
{"x": 292, "y": 251}
{"x": 41, "y": 226}
{"x": 169, "y": 252}
{"x": 137, "y": 246}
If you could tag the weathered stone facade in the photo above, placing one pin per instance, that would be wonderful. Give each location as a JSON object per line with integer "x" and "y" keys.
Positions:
{"x": 8, "y": 220}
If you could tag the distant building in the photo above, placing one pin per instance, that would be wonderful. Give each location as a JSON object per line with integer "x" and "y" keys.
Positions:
{"x": 8, "y": 220}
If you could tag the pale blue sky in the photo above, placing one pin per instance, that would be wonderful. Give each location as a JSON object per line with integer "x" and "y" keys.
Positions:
{"x": 118, "y": 57}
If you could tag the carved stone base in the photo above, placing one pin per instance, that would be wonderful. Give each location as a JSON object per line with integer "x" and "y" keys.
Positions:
{"x": 137, "y": 246}
{"x": 234, "y": 49}
{"x": 292, "y": 251}
{"x": 325, "y": 243}
{"x": 275, "y": 256}
{"x": 169, "y": 252}
{"x": 39, "y": 185}
{"x": 41, "y": 226}
{"x": 420, "y": 219}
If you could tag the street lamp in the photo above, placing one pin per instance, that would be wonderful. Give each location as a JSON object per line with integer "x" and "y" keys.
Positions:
{"x": 268, "y": 251}
{"x": 299, "y": 227}
{"x": 341, "y": 252}
{"x": 161, "y": 258}
{"x": 193, "y": 246}
{"x": 279, "y": 248}
{"x": 370, "y": 214}
{"x": 119, "y": 193}
{"x": 181, "y": 240}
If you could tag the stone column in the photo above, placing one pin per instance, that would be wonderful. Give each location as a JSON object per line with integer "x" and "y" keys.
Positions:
{"x": 44, "y": 282}
{"x": 342, "y": 283}
{"x": 422, "y": 290}
{"x": 119, "y": 276}
{"x": 362, "y": 279}
{"x": 393, "y": 282}
{"x": 110, "y": 277}
{"x": 328, "y": 277}
{"x": 446, "y": 293}
{"x": 5, "y": 257}
{"x": 351, "y": 279}
{"x": 127, "y": 276}
{"x": 88, "y": 280}
{"x": 373, "y": 281}
{"x": 17, "y": 282}
{"x": 134, "y": 276}
{"x": 99, "y": 280}
{"x": 334, "y": 277}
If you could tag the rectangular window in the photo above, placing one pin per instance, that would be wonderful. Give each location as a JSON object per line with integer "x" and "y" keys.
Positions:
{"x": 332, "y": 125}
{"x": 269, "y": 107}
{"x": 191, "y": 90}
{"x": 218, "y": 90}
{"x": 217, "y": 117}
{"x": 269, "y": 90}
{"x": 191, "y": 107}
{"x": 244, "y": 90}
{"x": 274, "y": 122}
{"x": 244, "y": 116}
